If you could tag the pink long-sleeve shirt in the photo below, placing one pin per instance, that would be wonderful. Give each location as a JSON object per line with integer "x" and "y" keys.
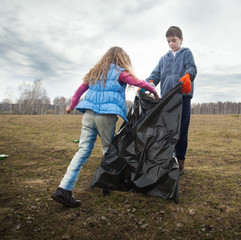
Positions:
{"x": 125, "y": 77}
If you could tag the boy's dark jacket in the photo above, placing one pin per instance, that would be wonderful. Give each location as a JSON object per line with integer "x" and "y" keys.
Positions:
{"x": 170, "y": 69}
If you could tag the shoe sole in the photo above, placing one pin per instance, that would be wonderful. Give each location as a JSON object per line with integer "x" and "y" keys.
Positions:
{"x": 59, "y": 200}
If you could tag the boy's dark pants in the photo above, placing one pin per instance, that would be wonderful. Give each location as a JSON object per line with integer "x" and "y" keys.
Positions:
{"x": 181, "y": 146}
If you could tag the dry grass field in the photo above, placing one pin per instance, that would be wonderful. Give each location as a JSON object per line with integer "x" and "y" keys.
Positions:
{"x": 40, "y": 148}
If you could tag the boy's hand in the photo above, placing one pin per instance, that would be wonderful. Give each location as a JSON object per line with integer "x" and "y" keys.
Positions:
{"x": 186, "y": 86}
{"x": 68, "y": 109}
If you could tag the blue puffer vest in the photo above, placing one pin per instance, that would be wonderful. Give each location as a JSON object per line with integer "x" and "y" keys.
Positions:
{"x": 108, "y": 98}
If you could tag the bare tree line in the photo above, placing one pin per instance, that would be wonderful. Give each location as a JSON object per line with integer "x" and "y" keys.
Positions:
{"x": 216, "y": 108}
{"x": 58, "y": 108}
{"x": 40, "y": 107}
{"x": 33, "y": 100}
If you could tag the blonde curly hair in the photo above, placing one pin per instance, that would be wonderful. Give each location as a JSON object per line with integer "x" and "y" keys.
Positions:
{"x": 115, "y": 55}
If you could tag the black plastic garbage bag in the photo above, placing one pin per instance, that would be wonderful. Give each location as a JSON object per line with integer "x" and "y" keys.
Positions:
{"x": 141, "y": 157}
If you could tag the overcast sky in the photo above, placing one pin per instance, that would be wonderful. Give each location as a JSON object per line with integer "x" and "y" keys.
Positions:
{"x": 58, "y": 41}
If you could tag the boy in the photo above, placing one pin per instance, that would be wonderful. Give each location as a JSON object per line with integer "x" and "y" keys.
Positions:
{"x": 176, "y": 66}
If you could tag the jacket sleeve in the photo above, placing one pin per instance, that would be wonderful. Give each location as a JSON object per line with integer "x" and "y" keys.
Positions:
{"x": 125, "y": 77}
{"x": 190, "y": 65}
{"x": 78, "y": 93}
{"x": 156, "y": 74}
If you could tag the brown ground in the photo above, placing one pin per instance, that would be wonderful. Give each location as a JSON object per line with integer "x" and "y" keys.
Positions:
{"x": 40, "y": 148}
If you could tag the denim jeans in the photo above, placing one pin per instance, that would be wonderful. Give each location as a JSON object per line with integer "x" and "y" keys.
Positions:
{"x": 93, "y": 124}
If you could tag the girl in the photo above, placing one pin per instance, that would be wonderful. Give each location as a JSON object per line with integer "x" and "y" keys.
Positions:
{"x": 105, "y": 99}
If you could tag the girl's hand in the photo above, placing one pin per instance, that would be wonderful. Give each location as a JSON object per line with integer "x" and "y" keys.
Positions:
{"x": 68, "y": 109}
{"x": 156, "y": 96}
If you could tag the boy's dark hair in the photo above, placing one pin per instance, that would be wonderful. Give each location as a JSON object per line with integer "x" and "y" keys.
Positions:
{"x": 174, "y": 31}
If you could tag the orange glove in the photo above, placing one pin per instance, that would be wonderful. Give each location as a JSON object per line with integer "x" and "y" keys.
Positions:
{"x": 186, "y": 86}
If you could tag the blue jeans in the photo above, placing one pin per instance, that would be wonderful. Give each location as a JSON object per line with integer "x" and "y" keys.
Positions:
{"x": 93, "y": 124}
{"x": 181, "y": 146}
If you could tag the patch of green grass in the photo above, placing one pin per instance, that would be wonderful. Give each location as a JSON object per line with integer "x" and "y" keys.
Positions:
{"x": 40, "y": 149}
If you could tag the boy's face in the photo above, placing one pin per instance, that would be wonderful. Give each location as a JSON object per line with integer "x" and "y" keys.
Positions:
{"x": 174, "y": 43}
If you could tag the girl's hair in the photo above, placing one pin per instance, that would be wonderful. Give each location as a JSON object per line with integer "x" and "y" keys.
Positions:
{"x": 115, "y": 55}
{"x": 174, "y": 31}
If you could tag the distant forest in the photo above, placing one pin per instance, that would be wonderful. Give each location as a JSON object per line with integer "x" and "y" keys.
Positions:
{"x": 216, "y": 108}
{"x": 41, "y": 108}
{"x": 33, "y": 100}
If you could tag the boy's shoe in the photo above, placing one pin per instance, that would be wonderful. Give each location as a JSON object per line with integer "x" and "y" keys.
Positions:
{"x": 181, "y": 167}
{"x": 65, "y": 197}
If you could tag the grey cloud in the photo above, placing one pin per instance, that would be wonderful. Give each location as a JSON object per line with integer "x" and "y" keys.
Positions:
{"x": 38, "y": 56}
{"x": 138, "y": 7}
{"x": 218, "y": 79}
{"x": 217, "y": 87}
{"x": 61, "y": 41}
